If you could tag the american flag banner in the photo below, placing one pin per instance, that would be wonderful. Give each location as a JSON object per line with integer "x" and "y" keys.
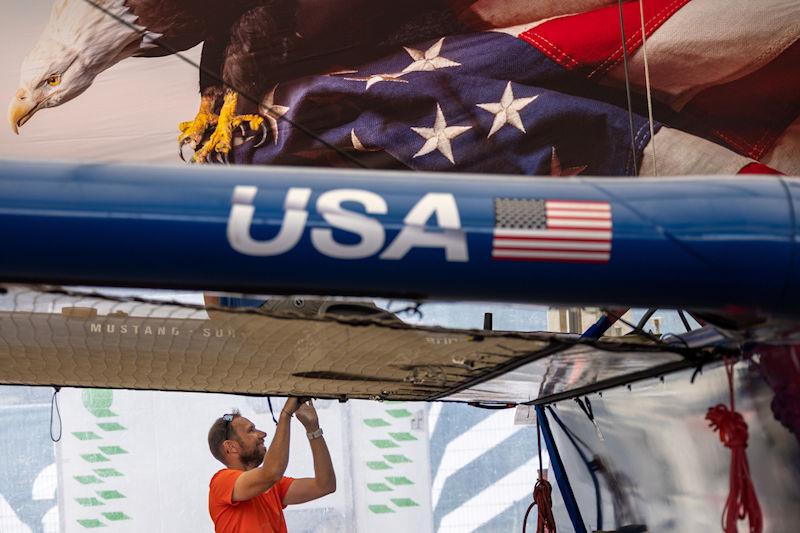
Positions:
{"x": 546, "y": 97}
{"x": 574, "y": 231}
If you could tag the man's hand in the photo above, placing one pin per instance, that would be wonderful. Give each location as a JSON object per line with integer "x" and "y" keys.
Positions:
{"x": 307, "y": 415}
{"x": 291, "y": 405}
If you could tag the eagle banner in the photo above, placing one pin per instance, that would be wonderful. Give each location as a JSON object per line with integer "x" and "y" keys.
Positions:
{"x": 582, "y": 87}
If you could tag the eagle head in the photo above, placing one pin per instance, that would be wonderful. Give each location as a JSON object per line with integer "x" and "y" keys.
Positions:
{"x": 82, "y": 39}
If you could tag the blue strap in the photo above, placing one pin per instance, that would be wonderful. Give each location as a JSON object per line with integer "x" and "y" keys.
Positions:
{"x": 233, "y": 301}
{"x": 560, "y": 472}
{"x": 597, "y": 329}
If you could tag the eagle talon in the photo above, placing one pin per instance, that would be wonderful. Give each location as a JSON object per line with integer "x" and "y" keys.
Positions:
{"x": 221, "y": 158}
{"x": 221, "y": 139}
{"x": 263, "y": 129}
{"x": 182, "y": 144}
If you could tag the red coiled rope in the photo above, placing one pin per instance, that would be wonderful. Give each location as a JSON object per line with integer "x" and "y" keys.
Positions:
{"x": 542, "y": 498}
{"x": 742, "y": 501}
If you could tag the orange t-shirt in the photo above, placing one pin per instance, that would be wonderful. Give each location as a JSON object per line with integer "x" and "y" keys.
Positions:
{"x": 261, "y": 514}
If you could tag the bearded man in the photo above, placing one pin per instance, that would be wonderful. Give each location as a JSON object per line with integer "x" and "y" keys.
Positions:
{"x": 250, "y": 493}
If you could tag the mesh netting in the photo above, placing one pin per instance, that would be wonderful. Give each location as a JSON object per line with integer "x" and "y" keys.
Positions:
{"x": 326, "y": 348}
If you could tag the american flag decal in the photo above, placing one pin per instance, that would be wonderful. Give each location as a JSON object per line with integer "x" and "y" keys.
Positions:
{"x": 551, "y": 230}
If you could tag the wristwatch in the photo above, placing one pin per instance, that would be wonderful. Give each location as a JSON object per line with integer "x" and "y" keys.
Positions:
{"x": 317, "y": 433}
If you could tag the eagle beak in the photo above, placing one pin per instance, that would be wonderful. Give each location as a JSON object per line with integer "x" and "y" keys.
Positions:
{"x": 21, "y": 109}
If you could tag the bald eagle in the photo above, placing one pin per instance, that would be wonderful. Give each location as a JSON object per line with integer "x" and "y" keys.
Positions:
{"x": 248, "y": 47}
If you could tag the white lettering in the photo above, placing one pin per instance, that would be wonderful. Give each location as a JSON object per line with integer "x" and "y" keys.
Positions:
{"x": 123, "y": 329}
{"x": 162, "y": 330}
{"x": 148, "y": 330}
{"x": 413, "y": 235}
{"x": 370, "y": 230}
{"x": 175, "y": 332}
{"x": 206, "y": 332}
{"x": 95, "y": 328}
{"x": 110, "y": 328}
{"x": 241, "y": 218}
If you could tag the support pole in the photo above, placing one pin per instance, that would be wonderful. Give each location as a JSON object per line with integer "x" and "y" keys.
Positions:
{"x": 560, "y": 472}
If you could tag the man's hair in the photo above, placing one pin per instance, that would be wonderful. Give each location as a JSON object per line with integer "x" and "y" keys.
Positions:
{"x": 217, "y": 435}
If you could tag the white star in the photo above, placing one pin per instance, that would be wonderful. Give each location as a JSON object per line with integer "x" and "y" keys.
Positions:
{"x": 272, "y": 112}
{"x": 506, "y": 111}
{"x": 358, "y": 145}
{"x": 377, "y": 78}
{"x": 429, "y": 59}
{"x": 438, "y": 137}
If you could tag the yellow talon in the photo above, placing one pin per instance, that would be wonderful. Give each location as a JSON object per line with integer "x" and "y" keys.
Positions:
{"x": 254, "y": 121}
{"x": 192, "y": 131}
{"x": 221, "y": 140}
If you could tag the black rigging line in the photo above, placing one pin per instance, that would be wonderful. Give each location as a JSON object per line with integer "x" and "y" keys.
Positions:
{"x": 218, "y": 79}
{"x": 645, "y": 318}
{"x": 636, "y": 328}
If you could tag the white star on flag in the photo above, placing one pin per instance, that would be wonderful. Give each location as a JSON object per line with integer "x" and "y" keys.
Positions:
{"x": 272, "y": 112}
{"x": 358, "y": 145}
{"x": 372, "y": 79}
{"x": 439, "y": 136}
{"x": 429, "y": 59}
{"x": 506, "y": 111}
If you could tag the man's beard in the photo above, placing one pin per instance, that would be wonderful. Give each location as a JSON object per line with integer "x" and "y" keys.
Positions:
{"x": 252, "y": 458}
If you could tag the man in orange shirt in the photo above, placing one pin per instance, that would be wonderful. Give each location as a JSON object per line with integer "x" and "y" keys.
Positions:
{"x": 248, "y": 496}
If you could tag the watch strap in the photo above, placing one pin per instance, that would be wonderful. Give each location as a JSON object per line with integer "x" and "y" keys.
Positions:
{"x": 317, "y": 433}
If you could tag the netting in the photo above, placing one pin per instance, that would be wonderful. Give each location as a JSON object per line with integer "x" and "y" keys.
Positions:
{"x": 326, "y": 348}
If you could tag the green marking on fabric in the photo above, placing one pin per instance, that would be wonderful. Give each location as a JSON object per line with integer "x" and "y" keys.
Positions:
{"x": 110, "y": 426}
{"x": 377, "y": 465}
{"x": 89, "y": 502}
{"x": 87, "y": 480}
{"x": 91, "y": 522}
{"x": 108, "y": 472}
{"x": 381, "y": 509}
{"x": 404, "y": 502}
{"x": 404, "y": 436}
{"x": 110, "y": 494}
{"x": 85, "y": 435}
{"x": 115, "y": 516}
{"x": 399, "y": 480}
{"x": 98, "y": 401}
{"x": 112, "y": 450}
{"x": 376, "y": 422}
{"x": 399, "y": 458}
{"x": 384, "y": 443}
{"x": 103, "y": 413}
{"x": 379, "y": 487}
{"x": 94, "y": 457}
{"x": 399, "y": 413}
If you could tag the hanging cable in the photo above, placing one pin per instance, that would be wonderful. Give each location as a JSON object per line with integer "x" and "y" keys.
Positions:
{"x": 590, "y": 464}
{"x": 627, "y": 87}
{"x": 647, "y": 87}
{"x": 269, "y": 402}
{"x": 54, "y": 409}
{"x": 635, "y": 328}
{"x": 742, "y": 501}
{"x": 645, "y": 317}
{"x": 542, "y": 497}
{"x": 682, "y": 315}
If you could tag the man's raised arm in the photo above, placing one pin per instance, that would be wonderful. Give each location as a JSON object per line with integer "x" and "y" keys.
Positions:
{"x": 324, "y": 480}
{"x": 258, "y": 480}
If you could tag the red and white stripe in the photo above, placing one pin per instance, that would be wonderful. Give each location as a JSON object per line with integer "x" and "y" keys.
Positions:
{"x": 729, "y": 64}
{"x": 576, "y": 231}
